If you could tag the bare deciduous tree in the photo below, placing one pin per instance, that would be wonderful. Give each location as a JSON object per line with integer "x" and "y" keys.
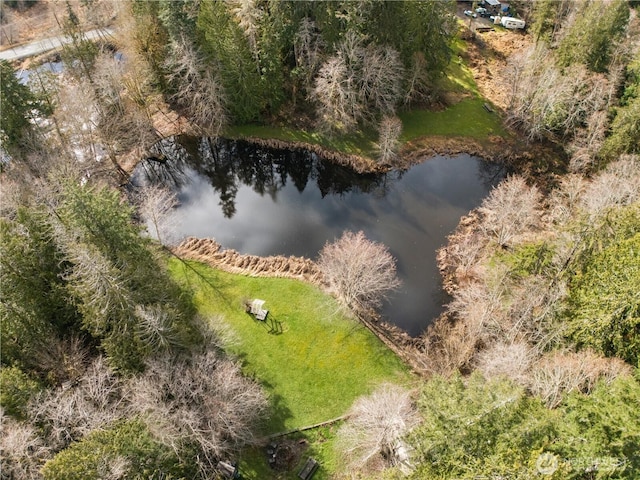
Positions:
{"x": 481, "y": 307}
{"x": 22, "y": 451}
{"x": 446, "y": 347}
{"x": 510, "y": 360}
{"x": 380, "y": 78}
{"x": 70, "y": 412}
{"x": 419, "y": 85}
{"x": 357, "y": 83}
{"x": 512, "y": 208}
{"x": 534, "y": 301}
{"x": 198, "y": 89}
{"x": 617, "y": 185}
{"x": 203, "y": 400}
{"x": 547, "y": 100}
{"x": 359, "y": 271}
{"x": 334, "y": 90}
{"x": 389, "y": 139}
{"x": 371, "y": 438}
{"x": 308, "y": 46}
{"x": 157, "y": 208}
{"x": 558, "y": 373}
{"x": 565, "y": 200}
{"x": 461, "y": 256}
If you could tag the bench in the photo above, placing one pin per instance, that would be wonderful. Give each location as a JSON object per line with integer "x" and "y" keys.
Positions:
{"x": 257, "y": 310}
{"x": 309, "y": 469}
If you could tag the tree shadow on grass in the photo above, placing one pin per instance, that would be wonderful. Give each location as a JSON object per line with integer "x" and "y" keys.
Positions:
{"x": 208, "y": 281}
{"x": 276, "y": 422}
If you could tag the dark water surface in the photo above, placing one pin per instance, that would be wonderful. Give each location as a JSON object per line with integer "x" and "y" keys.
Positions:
{"x": 265, "y": 202}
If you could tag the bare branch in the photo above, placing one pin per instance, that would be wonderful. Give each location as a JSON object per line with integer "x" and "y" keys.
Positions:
{"x": 372, "y": 436}
{"x": 204, "y": 401}
{"x": 70, "y": 412}
{"x": 22, "y": 451}
{"x": 389, "y": 139}
{"x": 511, "y": 209}
{"x": 198, "y": 88}
{"x": 157, "y": 208}
{"x": 559, "y": 373}
{"x": 359, "y": 271}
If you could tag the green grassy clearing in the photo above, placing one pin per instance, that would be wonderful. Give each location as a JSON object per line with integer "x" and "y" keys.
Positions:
{"x": 458, "y": 77}
{"x": 361, "y": 143}
{"x": 320, "y": 362}
{"x": 313, "y": 368}
{"x": 466, "y": 118}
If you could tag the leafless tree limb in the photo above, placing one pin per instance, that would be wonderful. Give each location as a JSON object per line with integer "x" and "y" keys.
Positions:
{"x": 389, "y": 139}
{"x": 157, "y": 208}
{"x": 512, "y": 208}
{"x": 198, "y": 89}
{"x": 72, "y": 411}
{"x": 359, "y": 271}
{"x": 371, "y": 437}
{"x": 203, "y": 400}
{"x": 22, "y": 451}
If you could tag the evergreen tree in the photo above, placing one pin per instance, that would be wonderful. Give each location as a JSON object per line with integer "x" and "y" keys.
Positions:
{"x": 19, "y": 106}
{"x": 592, "y": 38}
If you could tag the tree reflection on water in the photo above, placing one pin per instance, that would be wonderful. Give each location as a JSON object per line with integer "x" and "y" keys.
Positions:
{"x": 229, "y": 163}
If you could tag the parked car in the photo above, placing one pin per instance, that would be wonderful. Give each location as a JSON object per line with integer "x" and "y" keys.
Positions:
{"x": 483, "y": 12}
{"x": 469, "y": 13}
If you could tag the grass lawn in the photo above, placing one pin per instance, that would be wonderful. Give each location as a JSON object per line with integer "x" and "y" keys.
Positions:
{"x": 317, "y": 363}
{"x": 467, "y": 118}
{"x": 361, "y": 143}
{"x": 313, "y": 365}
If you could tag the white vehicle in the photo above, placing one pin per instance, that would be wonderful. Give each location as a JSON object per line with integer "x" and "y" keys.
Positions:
{"x": 510, "y": 22}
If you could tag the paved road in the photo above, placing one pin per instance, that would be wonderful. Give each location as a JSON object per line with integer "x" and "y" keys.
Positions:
{"x": 41, "y": 46}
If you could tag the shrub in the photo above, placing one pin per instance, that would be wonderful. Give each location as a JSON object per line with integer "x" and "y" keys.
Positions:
{"x": 125, "y": 450}
{"x": 16, "y": 388}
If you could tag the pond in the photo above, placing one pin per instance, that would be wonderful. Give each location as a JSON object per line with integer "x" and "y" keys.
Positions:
{"x": 266, "y": 201}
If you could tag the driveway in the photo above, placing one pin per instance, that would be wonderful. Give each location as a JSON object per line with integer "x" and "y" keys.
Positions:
{"x": 41, "y": 46}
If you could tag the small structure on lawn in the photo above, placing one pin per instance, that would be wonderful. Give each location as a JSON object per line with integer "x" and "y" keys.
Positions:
{"x": 309, "y": 469}
{"x": 228, "y": 470}
{"x": 255, "y": 308}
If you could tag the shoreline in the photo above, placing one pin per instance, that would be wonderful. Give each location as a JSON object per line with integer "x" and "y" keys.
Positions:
{"x": 211, "y": 253}
{"x": 408, "y": 348}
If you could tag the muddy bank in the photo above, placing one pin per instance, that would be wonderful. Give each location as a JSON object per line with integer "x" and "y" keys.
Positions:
{"x": 207, "y": 250}
{"x": 537, "y": 161}
{"x": 357, "y": 163}
{"x": 456, "y": 273}
{"x": 210, "y": 252}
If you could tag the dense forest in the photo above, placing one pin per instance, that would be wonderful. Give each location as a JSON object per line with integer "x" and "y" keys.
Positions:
{"x": 119, "y": 359}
